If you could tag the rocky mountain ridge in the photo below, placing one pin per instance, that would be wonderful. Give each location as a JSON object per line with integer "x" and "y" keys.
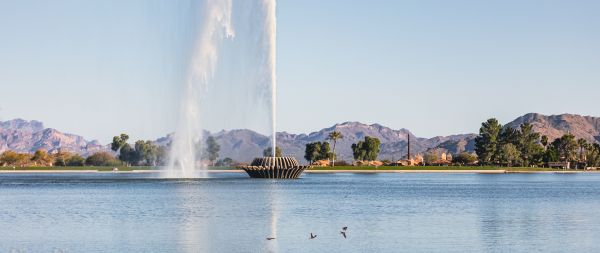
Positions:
{"x": 243, "y": 145}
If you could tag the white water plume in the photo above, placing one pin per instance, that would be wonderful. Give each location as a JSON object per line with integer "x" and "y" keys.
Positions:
{"x": 201, "y": 90}
{"x": 216, "y": 25}
{"x": 271, "y": 48}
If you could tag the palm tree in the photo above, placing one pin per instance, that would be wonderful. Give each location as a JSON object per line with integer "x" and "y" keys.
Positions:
{"x": 334, "y": 136}
{"x": 544, "y": 141}
{"x": 582, "y": 145}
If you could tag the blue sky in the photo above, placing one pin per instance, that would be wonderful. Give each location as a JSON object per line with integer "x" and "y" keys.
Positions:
{"x": 98, "y": 68}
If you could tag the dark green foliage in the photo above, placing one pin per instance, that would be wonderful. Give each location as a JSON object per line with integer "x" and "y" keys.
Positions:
{"x": 325, "y": 151}
{"x": 509, "y": 154}
{"x": 486, "y": 144}
{"x": 565, "y": 148}
{"x": 268, "y": 152}
{"x": 367, "y": 149}
{"x": 118, "y": 142}
{"x": 529, "y": 146}
{"x": 464, "y": 158}
{"x": 127, "y": 154}
{"x": 312, "y": 151}
{"x": 75, "y": 160}
{"x": 226, "y": 162}
{"x": 142, "y": 153}
{"x": 41, "y": 157}
{"x": 499, "y": 145}
{"x": 316, "y": 151}
{"x": 101, "y": 159}
{"x": 544, "y": 141}
{"x": 146, "y": 153}
{"x": 593, "y": 155}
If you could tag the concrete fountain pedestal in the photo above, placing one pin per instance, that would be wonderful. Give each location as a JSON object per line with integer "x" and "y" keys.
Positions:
{"x": 274, "y": 167}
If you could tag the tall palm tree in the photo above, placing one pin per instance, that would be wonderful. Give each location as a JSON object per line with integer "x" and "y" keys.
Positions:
{"x": 582, "y": 144}
{"x": 334, "y": 136}
{"x": 544, "y": 142}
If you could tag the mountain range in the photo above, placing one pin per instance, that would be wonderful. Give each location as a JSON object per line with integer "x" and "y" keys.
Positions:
{"x": 243, "y": 145}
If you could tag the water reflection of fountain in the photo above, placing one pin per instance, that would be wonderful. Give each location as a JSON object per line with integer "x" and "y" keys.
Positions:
{"x": 272, "y": 245}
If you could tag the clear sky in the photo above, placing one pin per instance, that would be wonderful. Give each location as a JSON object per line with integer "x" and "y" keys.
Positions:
{"x": 98, "y": 68}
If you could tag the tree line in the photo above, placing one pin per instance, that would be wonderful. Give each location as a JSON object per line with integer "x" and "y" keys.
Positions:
{"x": 42, "y": 158}
{"x": 506, "y": 146}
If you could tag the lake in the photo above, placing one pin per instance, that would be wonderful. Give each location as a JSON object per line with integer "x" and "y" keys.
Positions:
{"x": 232, "y": 213}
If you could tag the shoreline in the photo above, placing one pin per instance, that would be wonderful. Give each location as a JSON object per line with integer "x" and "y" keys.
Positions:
{"x": 313, "y": 171}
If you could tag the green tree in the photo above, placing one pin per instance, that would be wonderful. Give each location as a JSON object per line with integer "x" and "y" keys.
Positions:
{"x": 128, "y": 155}
{"x": 312, "y": 151}
{"x": 358, "y": 152}
{"x": 61, "y": 158}
{"x": 430, "y": 157}
{"x": 118, "y": 142}
{"x": 75, "y": 160}
{"x": 269, "y": 152}
{"x": 565, "y": 148}
{"x": 593, "y": 155}
{"x": 582, "y": 143}
{"x": 42, "y": 158}
{"x": 529, "y": 147}
{"x": 544, "y": 141}
{"x": 101, "y": 159}
{"x": 464, "y": 158}
{"x": 373, "y": 147}
{"x": 212, "y": 149}
{"x": 509, "y": 135}
{"x": 509, "y": 154}
{"x": 334, "y": 136}
{"x": 367, "y": 149}
{"x": 11, "y": 158}
{"x": 146, "y": 152}
{"x": 486, "y": 143}
{"x": 324, "y": 151}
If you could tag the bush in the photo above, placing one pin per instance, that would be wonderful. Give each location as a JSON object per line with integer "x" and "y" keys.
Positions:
{"x": 75, "y": 160}
{"x": 102, "y": 159}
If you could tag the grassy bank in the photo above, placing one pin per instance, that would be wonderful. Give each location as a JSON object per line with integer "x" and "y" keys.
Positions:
{"x": 336, "y": 168}
{"x": 441, "y": 168}
{"x": 78, "y": 168}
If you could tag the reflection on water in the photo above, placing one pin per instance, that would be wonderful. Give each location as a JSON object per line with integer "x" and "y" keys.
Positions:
{"x": 232, "y": 213}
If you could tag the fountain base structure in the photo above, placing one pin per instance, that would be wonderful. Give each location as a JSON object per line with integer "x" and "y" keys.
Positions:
{"x": 274, "y": 167}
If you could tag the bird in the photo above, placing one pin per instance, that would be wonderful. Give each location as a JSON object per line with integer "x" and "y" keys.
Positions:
{"x": 312, "y": 236}
{"x": 343, "y": 232}
{"x": 270, "y": 238}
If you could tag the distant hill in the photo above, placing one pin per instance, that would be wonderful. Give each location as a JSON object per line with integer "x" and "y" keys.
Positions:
{"x": 28, "y": 136}
{"x": 555, "y": 126}
{"x": 243, "y": 145}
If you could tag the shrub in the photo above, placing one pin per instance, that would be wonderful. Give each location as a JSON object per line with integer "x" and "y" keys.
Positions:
{"x": 102, "y": 159}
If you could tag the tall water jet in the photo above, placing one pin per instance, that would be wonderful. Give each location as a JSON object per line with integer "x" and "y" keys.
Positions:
{"x": 216, "y": 25}
{"x": 270, "y": 8}
{"x": 206, "y": 83}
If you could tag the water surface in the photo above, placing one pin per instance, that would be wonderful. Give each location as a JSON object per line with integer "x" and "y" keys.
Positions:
{"x": 232, "y": 213}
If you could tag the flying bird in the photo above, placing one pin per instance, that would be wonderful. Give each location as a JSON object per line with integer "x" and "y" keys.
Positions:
{"x": 343, "y": 233}
{"x": 344, "y": 228}
{"x": 270, "y": 238}
{"x": 312, "y": 236}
